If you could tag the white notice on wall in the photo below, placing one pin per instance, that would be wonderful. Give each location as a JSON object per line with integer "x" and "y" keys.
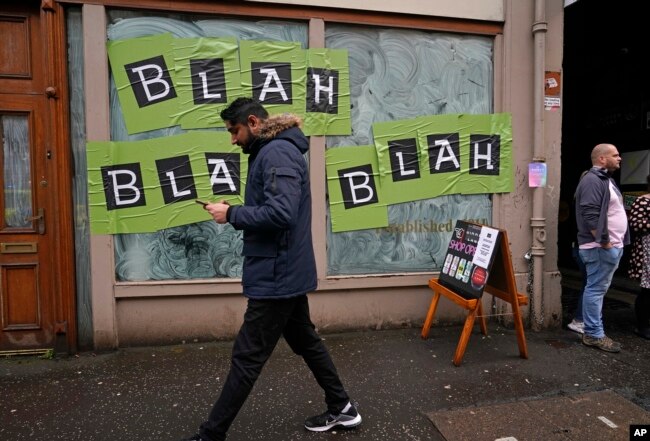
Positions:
{"x": 551, "y": 102}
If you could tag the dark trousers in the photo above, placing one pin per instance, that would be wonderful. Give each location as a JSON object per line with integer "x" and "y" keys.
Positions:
{"x": 264, "y": 322}
{"x": 642, "y": 309}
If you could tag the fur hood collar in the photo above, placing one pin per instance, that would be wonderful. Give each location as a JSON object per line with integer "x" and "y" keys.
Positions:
{"x": 275, "y": 124}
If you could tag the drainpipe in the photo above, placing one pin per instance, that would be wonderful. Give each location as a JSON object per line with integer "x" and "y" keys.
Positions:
{"x": 538, "y": 221}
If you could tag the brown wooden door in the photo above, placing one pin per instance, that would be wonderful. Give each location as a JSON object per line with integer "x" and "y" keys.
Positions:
{"x": 32, "y": 305}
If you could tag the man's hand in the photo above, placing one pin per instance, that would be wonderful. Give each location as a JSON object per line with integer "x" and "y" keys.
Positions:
{"x": 218, "y": 211}
{"x": 605, "y": 246}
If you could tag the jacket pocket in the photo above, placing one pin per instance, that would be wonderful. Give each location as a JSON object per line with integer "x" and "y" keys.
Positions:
{"x": 284, "y": 180}
{"x": 255, "y": 247}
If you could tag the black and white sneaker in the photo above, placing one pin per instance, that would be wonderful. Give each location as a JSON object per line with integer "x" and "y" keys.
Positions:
{"x": 347, "y": 419}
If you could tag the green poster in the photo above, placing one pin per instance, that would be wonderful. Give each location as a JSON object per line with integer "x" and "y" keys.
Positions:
{"x": 486, "y": 162}
{"x": 149, "y": 185}
{"x": 207, "y": 73}
{"x": 355, "y": 198}
{"x": 398, "y": 156}
{"x": 327, "y": 110}
{"x": 143, "y": 70}
{"x": 273, "y": 72}
{"x": 430, "y": 156}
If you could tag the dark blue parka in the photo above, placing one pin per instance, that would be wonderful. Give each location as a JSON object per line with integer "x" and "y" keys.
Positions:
{"x": 276, "y": 215}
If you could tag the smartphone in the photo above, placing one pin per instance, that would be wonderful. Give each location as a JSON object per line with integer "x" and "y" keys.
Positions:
{"x": 204, "y": 203}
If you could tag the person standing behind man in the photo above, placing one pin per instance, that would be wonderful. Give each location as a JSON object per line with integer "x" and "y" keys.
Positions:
{"x": 279, "y": 267}
{"x": 640, "y": 261}
{"x": 602, "y": 233}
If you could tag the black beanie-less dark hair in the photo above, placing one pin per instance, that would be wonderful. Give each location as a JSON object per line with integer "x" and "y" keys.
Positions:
{"x": 239, "y": 110}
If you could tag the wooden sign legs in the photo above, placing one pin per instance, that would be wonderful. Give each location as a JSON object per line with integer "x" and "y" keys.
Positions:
{"x": 473, "y": 306}
{"x": 475, "y": 309}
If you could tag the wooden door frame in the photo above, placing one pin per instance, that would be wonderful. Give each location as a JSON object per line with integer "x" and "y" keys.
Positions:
{"x": 57, "y": 137}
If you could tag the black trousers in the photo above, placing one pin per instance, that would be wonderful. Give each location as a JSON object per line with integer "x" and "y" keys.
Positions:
{"x": 642, "y": 309}
{"x": 264, "y": 322}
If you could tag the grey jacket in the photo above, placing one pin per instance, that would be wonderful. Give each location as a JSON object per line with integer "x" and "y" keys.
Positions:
{"x": 592, "y": 202}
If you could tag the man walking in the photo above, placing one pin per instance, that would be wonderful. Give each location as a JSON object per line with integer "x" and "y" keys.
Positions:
{"x": 279, "y": 267}
{"x": 602, "y": 233}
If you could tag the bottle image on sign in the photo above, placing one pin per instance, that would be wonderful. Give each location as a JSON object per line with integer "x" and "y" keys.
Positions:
{"x": 454, "y": 266}
{"x": 445, "y": 268}
{"x": 461, "y": 269}
{"x": 466, "y": 273}
{"x": 479, "y": 277}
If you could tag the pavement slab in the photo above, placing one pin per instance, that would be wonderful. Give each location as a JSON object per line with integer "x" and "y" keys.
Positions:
{"x": 594, "y": 416}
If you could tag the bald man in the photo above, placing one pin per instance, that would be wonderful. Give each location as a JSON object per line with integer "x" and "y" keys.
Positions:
{"x": 602, "y": 233}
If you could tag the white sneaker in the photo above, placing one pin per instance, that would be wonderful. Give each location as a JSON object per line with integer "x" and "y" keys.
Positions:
{"x": 577, "y": 326}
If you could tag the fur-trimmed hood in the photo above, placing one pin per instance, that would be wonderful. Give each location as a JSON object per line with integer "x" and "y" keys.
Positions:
{"x": 285, "y": 127}
{"x": 273, "y": 125}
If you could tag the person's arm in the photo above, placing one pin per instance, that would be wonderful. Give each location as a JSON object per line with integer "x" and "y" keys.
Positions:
{"x": 283, "y": 172}
{"x": 607, "y": 245}
{"x": 640, "y": 216}
{"x": 591, "y": 203}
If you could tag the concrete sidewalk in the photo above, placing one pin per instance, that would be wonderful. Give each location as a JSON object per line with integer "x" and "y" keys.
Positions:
{"x": 406, "y": 388}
